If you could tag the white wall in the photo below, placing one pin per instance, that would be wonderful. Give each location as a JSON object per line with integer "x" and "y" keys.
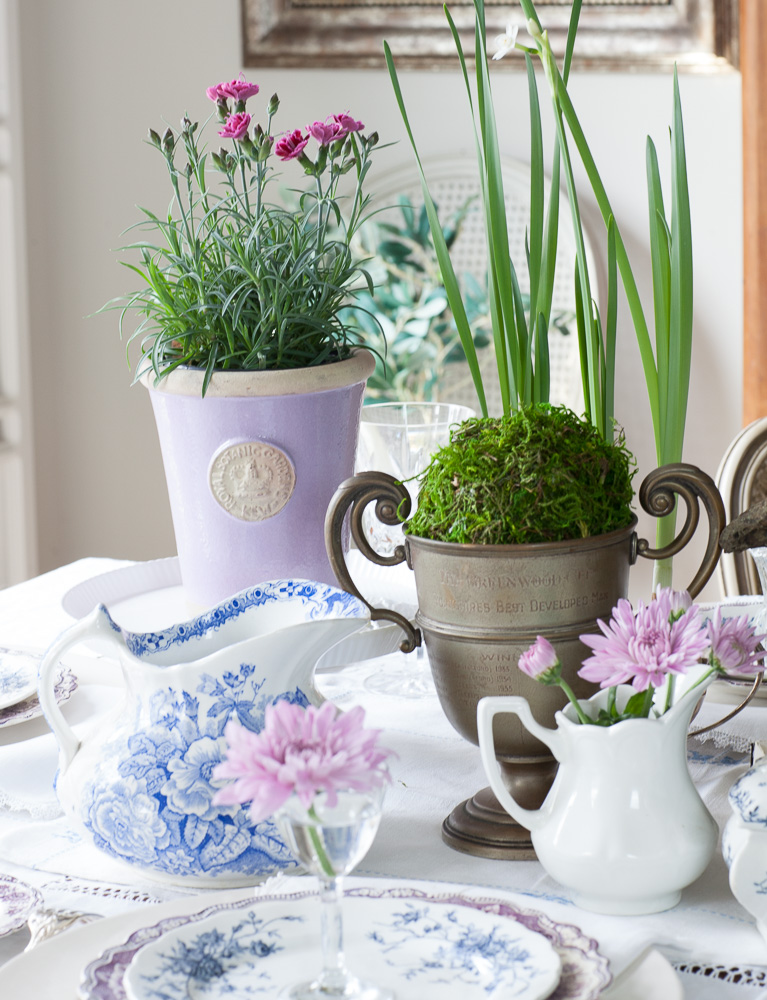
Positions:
{"x": 97, "y": 75}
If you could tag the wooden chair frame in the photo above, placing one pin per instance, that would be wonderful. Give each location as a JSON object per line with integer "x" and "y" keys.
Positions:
{"x": 753, "y": 55}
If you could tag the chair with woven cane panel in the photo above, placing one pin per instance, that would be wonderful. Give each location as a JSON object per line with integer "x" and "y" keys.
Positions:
{"x": 452, "y": 181}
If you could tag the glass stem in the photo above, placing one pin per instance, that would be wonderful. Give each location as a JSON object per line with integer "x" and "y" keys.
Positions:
{"x": 334, "y": 976}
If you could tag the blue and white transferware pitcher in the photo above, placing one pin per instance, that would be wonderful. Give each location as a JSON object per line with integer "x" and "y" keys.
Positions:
{"x": 139, "y": 782}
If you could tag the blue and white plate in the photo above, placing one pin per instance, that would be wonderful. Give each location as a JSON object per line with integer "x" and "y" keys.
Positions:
{"x": 416, "y": 942}
{"x": 18, "y": 674}
{"x": 18, "y": 684}
{"x": 752, "y": 605}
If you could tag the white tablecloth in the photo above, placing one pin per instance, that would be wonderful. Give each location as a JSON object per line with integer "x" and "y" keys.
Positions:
{"x": 435, "y": 770}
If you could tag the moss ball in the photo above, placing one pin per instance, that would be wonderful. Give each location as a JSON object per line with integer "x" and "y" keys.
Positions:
{"x": 541, "y": 474}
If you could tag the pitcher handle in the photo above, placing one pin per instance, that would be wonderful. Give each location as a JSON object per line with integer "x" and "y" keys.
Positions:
{"x": 354, "y": 495}
{"x": 487, "y": 709}
{"x": 657, "y": 496}
{"x": 97, "y": 623}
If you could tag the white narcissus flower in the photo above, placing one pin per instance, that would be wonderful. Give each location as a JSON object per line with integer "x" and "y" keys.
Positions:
{"x": 506, "y": 42}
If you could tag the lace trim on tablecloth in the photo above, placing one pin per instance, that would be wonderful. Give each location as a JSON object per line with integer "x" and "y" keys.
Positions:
{"x": 722, "y": 739}
{"x": 103, "y": 890}
{"x": 42, "y": 810}
{"x": 753, "y": 975}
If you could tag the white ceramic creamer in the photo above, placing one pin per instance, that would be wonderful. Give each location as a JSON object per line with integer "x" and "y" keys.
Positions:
{"x": 623, "y": 826}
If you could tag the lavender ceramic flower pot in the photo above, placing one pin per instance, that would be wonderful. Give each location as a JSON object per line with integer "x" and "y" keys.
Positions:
{"x": 251, "y": 468}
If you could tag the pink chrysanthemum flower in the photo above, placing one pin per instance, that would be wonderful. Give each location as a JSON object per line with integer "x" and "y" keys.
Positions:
{"x": 673, "y": 602}
{"x": 301, "y": 750}
{"x": 643, "y": 648}
{"x": 236, "y": 126}
{"x": 541, "y": 662}
{"x": 291, "y": 145}
{"x": 734, "y": 645}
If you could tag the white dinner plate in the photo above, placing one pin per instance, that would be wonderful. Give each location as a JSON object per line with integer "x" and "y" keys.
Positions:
{"x": 29, "y": 974}
{"x": 379, "y": 914}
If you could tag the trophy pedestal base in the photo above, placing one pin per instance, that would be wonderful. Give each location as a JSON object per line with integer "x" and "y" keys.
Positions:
{"x": 480, "y": 826}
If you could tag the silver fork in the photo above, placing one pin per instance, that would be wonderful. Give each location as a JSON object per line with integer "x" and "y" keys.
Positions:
{"x": 46, "y": 923}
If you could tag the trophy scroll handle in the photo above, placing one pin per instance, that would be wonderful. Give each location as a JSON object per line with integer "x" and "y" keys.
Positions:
{"x": 392, "y": 502}
{"x": 657, "y": 497}
{"x": 658, "y": 494}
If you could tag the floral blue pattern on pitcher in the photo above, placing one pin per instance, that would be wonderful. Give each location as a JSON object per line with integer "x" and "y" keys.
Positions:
{"x": 140, "y": 785}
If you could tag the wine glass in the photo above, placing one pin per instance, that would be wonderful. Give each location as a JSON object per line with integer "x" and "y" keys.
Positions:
{"x": 330, "y": 841}
{"x": 401, "y": 438}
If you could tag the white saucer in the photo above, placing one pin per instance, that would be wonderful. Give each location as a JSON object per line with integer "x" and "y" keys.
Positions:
{"x": 144, "y": 597}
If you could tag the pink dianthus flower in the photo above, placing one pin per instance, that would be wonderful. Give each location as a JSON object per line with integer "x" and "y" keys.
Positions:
{"x": 324, "y": 132}
{"x": 291, "y": 145}
{"x": 237, "y": 90}
{"x": 236, "y": 126}
{"x": 346, "y": 124}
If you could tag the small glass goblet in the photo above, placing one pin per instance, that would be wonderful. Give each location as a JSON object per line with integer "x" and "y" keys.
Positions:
{"x": 401, "y": 438}
{"x": 330, "y": 842}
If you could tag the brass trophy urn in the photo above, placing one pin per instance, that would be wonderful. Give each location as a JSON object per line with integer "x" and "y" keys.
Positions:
{"x": 481, "y": 606}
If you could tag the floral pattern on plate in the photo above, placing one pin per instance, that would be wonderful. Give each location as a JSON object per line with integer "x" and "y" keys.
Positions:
{"x": 398, "y": 922}
{"x": 17, "y": 901}
{"x": 18, "y": 674}
{"x": 66, "y": 685}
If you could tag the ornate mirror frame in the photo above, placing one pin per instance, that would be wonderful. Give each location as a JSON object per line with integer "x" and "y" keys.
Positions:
{"x": 699, "y": 35}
